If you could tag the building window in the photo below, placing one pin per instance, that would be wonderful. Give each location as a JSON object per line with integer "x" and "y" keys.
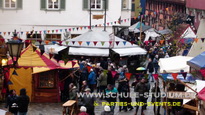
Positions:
{"x": 47, "y": 80}
{"x": 53, "y": 5}
{"x": 33, "y": 37}
{"x": 125, "y": 4}
{"x": 96, "y": 4}
{"x": 53, "y": 37}
{"x": 10, "y": 4}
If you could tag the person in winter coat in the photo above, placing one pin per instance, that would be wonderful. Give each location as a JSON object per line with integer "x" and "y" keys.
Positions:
{"x": 92, "y": 80}
{"x": 88, "y": 102}
{"x": 156, "y": 90}
{"x": 111, "y": 95}
{"x": 83, "y": 111}
{"x": 11, "y": 102}
{"x": 107, "y": 111}
{"x": 72, "y": 92}
{"x": 150, "y": 68}
{"x": 102, "y": 81}
{"x": 23, "y": 102}
{"x": 155, "y": 64}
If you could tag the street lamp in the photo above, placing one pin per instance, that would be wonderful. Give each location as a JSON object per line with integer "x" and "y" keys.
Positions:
{"x": 14, "y": 47}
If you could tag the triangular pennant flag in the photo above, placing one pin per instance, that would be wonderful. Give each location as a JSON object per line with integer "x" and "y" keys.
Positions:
{"x": 196, "y": 40}
{"x": 113, "y": 73}
{"x": 88, "y": 43}
{"x": 69, "y": 29}
{"x": 156, "y": 76}
{"x": 184, "y": 74}
{"x": 161, "y": 41}
{"x": 88, "y": 27}
{"x": 14, "y": 73}
{"x": 27, "y": 42}
{"x": 85, "y": 27}
{"x": 164, "y": 76}
{"x": 9, "y": 33}
{"x": 0, "y": 33}
{"x": 42, "y": 51}
{"x": 60, "y": 42}
{"x": 202, "y": 39}
{"x": 33, "y": 41}
{"x": 81, "y": 28}
{"x": 56, "y": 31}
{"x": 47, "y": 42}
{"x": 108, "y": 24}
{"x": 132, "y": 42}
{"x": 110, "y": 42}
{"x": 61, "y": 30}
{"x": 128, "y": 75}
{"x": 73, "y": 29}
{"x": 40, "y": 41}
{"x": 124, "y": 42}
{"x": 48, "y": 31}
{"x": 115, "y": 22}
{"x": 100, "y": 25}
{"x": 43, "y": 32}
{"x": 40, "y": 32}
{"x": 4, "y": 33}
{"x": 21, "y": 33}
{"x": 73, "y": 42}
{"x": 174, "y": 75}
{"x": 125, "y": 20}
{"x": 36, "y": 32}
{"x": 80, "y": 42}
{"x": 95, "y": 43}
{"x": 53, "y": 42}
{"x": 77, "y": 28}
{"x": 67, "y": 42}
{"x": 102, "y": 43}
{"x": 52, "y": 31}
{"x": 73, "y": 64}
{"x": 9, "y": 82}
{"x": 34, "y": 48}
{"x": 50, "y": 55}
{"x": 96, "y": 25}
{"x": 117, "y": 42}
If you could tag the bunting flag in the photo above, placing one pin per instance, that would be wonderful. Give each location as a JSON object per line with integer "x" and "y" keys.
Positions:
{"x": 42, "y": 48}
{"x": 0, "y": 33}
{"x": 9, "y": 82}
{"x": 110, "y": 42}
{"x": 34, "y": 48}
{"x": 196, "y": 40}
{"x": 102, "y": 43}
{"x": 27, "y": 42}
{"x": 73, "y": 29}
{"x": 202, "y": 39}
{"x": 9, "y": 33}
{"x": 95, "y": 43}
{"x": 77, "y": 28}
{"x": 54, "y": 42}
{"x": 69, "y": 29}
{"x": 184, "y": 74}
{"x": 80, "y": 42}
{"x": 21, "y": 33}
{"x": 56, "y": 31}
{"x": 61, "y": 30}
{"x": 128, "y": 75}
{"x": 155, "y": 76}
{"x": 73, "y": 64}
{"x": 60, "y": 42}
{"x": 161, "y": 41}
{"x": 73, "y": 42}
{"x": 14, "y": 73}
{"x": 47, "y": 42}
{"x": 124, "y": 42}
{"x": 81, "y": 28}
{"x": 67, "y": 42}
{"x": 50, "y": 55}
{"x": 4, "y": 33}
{"x": 88, "y": 43}
{"x": 164, "y": 76}
{"x": 43, "y": 32}
{"x": 117, "y": 43}
{"x": 48, "y": 31}
{"x": 132, "y": 42}
{"x": 202, "y": 72}
{"x": 40, "y": 41}
{"x": 174, "y": 75}
{"x": 113, "y": 73}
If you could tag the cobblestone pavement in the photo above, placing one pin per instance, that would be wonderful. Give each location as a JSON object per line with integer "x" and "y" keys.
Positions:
{"x": 56, "y": 109}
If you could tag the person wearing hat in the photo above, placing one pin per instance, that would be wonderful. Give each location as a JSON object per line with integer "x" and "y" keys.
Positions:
{"x": 107, "y": 111}
{"x": 92, "y": 80}
{"x": 83, "y": 111}
{"x": 88, "y": 102}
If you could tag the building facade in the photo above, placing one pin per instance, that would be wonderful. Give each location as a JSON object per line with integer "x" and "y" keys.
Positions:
{"x": 160, "y": 12}
{"x": 196, "y": 8}
{"x": 58, "y": 19}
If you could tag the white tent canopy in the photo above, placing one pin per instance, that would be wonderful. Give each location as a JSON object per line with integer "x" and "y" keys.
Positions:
{"x": 174, "y": 64}
{"x": 151, "y": 33}
{"x": 188, "y": 33}
{"x": 98, "y": 44}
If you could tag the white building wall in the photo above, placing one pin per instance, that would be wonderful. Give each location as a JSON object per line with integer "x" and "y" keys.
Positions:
{"x": 31, "y": 17}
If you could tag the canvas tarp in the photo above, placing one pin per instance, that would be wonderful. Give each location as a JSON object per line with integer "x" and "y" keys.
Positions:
{"x": 22, "y": 78}
{"x": 198, "y": 62}
{"x": 174, "y": 64}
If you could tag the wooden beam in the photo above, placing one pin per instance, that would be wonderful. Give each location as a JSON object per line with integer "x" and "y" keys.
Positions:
{"x": 190, "y": 107}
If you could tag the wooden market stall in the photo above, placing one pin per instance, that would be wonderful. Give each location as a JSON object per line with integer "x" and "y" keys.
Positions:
{"x": 38, "y": 74}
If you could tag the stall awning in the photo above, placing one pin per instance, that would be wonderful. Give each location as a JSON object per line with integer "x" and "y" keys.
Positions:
{"x": 130, "y": 51}
{"x": 88, "y": 51}
{"x": 198, "y": 62}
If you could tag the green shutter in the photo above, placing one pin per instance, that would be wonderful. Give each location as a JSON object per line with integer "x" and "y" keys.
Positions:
{"x": 1, "y": 4}
{"x": 62, "y": 4}
{"x": 19, "y": 4}
{"x": 85, "y": 4}
{"x": 43, "y": 4}
{"x": 107, "y": 4}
